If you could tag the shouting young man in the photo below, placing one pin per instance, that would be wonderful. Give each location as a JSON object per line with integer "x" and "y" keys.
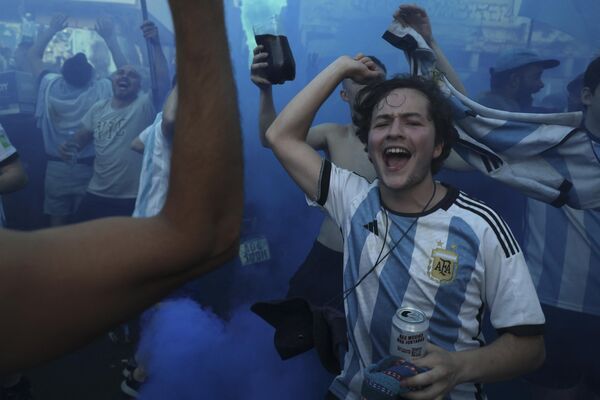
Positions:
{"x": 410, "y": 241}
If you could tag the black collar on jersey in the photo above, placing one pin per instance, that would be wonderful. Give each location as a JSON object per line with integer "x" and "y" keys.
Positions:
{"x": 445, "y": 203}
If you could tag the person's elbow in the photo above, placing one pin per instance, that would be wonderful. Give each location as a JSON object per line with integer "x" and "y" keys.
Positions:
{"x": 264, "y": 123}
{"x": 200, "y": 248}
{"x": 222, "y": 241}
{"x": 264, "y": 141}
{"x": 228, "y": 242}
{"x": 227, "y": 232}
{"x": 532, "y": 352}
{"x": 271, "y": 137}
{"x": 210, "y": 234}
{"x": 538, "y": 353}
{"x": 224, "y": 218}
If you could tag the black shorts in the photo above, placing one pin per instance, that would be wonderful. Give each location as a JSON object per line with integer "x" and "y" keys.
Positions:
{"x": 572, "y": 350}
{"x": 94, "y": 207}
{"x": 320, "y": 278}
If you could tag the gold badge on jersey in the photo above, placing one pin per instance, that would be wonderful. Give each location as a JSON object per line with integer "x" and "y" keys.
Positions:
{"x": 443, "y": 264}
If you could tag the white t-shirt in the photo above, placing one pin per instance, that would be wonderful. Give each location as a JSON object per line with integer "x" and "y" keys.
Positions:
{"x": 117, "y": 167}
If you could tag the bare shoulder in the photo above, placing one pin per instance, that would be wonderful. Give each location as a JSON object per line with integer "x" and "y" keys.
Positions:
{"x": 329, "y": 128}
{"x": 322, "y": 136}
{"x": 348, "y": 152}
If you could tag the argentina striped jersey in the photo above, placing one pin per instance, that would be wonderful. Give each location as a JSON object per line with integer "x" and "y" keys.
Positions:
{"x": 156, "y": 165}
{"x": 544, "y": 156}
{"x": 454, "y": 261}
{"x": 562, "y": 246}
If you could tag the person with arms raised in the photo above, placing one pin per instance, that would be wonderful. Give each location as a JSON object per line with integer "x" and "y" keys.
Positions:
{"x": 61, "y": 287}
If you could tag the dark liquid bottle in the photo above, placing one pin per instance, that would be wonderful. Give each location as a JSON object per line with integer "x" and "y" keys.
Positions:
{"x": 282, "y": 66}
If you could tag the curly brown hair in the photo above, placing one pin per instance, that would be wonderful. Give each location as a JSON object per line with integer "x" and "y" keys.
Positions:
{"x": 440, "y": 110}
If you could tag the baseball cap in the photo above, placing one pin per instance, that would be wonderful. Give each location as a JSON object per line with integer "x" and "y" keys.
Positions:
{"x": 515, "y": 58}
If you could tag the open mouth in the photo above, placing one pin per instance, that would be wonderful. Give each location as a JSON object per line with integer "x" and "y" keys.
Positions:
{"x": 396, "y": 157}
{"x": 123, "y": 84}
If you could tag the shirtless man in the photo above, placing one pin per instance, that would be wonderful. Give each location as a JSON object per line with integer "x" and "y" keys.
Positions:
{"x": 343, "y": 148}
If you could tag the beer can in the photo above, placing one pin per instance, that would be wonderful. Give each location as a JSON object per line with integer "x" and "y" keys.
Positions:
{"x": 409, "y": 333}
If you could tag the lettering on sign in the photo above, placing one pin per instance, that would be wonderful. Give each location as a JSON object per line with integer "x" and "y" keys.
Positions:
{"x": 254, "y": 250}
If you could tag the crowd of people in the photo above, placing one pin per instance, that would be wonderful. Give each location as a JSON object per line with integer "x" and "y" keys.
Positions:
{"x": 121, "y": 276}
{"x": 558, "y": 242}
{"x": 388, "y": 225}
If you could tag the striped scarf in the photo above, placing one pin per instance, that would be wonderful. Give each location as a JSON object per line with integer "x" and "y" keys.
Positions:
{"x": 549, "y": 157}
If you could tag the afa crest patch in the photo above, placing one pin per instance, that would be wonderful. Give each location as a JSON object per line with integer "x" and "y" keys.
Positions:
{"x": 443, "y": 264}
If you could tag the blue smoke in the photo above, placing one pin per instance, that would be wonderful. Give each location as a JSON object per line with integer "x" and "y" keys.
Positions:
{"x": 192, "y": 354}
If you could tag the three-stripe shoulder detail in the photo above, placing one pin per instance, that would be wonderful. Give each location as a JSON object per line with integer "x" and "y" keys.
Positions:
{"x": 505, "y": 237}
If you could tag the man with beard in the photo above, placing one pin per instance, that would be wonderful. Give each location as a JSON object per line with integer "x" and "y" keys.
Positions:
{"x": 563, "y": 250}
{"x": 113, "y": 124}
{"x": 514, "y": 79}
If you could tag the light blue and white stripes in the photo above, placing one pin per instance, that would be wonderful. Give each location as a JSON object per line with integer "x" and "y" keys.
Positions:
{"x": 548, "y": 157}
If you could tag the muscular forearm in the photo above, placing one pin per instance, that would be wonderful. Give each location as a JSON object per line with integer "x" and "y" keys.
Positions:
{"x": 69, "y": 284}
{"x": 35, "y": 54}
{"x": 162, "y": 71}
{"x": 267, "y": 114}
{"x": 115, "y": 268}
{"x": 115, "y": 50}
{"x": 205, "y": 189}
{"x": 38, "y": 48}
{"x": 506, "y": 357}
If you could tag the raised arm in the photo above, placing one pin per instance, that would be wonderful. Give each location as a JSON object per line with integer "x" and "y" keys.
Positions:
{"x": 105, "y": 28}
{"x": 159, "y": 60}
{"x": 35, "y": 54}
{"x": 316, "y": 137}
{"x": 266, "y": 108}
{"x": 287, "y": 135}
{"x": 69, "y": 284}
{"x": 417, "y": 18}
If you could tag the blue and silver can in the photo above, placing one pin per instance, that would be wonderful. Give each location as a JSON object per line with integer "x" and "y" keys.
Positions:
{"x": 409, "y": 333}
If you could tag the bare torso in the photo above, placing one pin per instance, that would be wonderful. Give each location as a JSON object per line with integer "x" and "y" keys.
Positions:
{"x": 346, "y": 151}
